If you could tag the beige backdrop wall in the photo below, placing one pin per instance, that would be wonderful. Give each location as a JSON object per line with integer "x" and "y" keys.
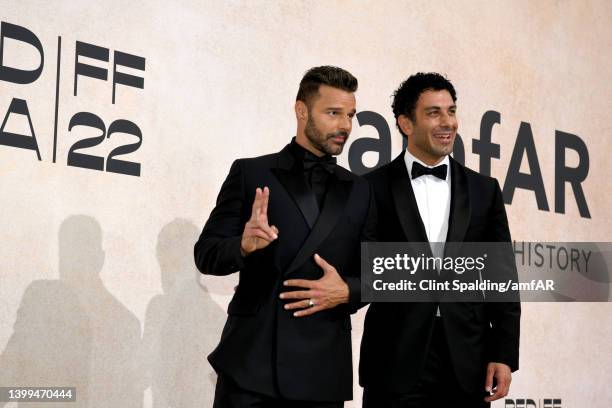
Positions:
{"x": 97, "y": 286}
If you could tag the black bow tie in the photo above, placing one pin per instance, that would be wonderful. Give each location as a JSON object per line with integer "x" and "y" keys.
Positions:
{"x": 419, "y": 170}
{"x": 327, "y": 162}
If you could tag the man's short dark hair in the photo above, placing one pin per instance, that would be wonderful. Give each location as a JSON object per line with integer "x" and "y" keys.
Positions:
{"x": 324, "y": 75}
{"x": 406, "y": 96}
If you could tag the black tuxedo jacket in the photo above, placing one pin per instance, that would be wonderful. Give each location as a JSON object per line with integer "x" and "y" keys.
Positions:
{"x": 264, "y": 348}
{"x": 397, "y": 335}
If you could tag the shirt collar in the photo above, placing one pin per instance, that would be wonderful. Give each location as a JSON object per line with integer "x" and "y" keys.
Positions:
{"x": 300, "y": 153}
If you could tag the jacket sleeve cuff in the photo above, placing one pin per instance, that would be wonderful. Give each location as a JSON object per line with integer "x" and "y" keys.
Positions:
{"x": 236, "y": 260}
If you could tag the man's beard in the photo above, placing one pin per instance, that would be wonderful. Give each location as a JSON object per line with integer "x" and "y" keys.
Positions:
{"x": 322, "y": 142}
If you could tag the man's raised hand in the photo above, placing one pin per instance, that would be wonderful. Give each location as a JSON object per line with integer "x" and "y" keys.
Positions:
{"x": 257, "y": 233}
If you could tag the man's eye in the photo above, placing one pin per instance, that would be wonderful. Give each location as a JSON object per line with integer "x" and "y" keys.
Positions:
{"x": 332, "y": 113}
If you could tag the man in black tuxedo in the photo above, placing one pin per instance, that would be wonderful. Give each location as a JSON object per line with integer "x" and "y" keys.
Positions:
{"x": 436, "y": 354}
{"x": 291, "y": 223}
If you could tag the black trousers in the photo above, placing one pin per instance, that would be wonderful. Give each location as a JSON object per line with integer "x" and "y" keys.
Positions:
{"x": 229, "y": 395}
{"x": 437, "y": 386}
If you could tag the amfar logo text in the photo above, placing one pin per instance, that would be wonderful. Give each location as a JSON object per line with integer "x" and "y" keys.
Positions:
{"x": 524, "y": 150}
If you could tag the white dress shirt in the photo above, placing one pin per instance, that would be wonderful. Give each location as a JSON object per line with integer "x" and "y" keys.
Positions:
{"x": 433, "y": 197}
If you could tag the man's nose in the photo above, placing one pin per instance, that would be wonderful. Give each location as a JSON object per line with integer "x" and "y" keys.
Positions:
{"x": 448, "y": 120}
{"x": 346, "y": 123}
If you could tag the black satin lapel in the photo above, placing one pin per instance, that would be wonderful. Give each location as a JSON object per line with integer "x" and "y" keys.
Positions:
{"x": 405, "y": 202}
{"x": 460, "y": 204}
{"x": 301, "y": 194}
{"x": 333, "y": 206}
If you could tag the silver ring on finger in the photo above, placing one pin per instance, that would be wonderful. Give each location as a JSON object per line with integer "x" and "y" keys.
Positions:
{"x": 310, "y": 303}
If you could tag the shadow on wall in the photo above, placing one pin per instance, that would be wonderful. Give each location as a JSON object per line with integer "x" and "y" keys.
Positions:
{"x": 182, "y": 325}
{"x": 73, "y": 332}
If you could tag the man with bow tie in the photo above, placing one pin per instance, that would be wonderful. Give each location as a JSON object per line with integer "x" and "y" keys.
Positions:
{"x": 291, "y": 222}
{"x": 434, "y": 354}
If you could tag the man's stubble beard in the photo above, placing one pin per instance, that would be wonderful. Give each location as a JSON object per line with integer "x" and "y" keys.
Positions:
{"x": 428, "y": 146}
{"x": 320, "y": 141}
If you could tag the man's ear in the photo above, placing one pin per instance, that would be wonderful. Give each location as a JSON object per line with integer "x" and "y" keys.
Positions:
{"x": 405, "y": 124}
{"x": 301, "y": 110}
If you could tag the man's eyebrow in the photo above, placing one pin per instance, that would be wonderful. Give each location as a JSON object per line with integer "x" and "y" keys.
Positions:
{"x": 435, "y": 107}
{"x": 339, "y": 108}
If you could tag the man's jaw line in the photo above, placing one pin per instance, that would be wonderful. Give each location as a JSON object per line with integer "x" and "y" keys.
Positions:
{"x": 311, "y": 148}
{"x": 428, "y": 159}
